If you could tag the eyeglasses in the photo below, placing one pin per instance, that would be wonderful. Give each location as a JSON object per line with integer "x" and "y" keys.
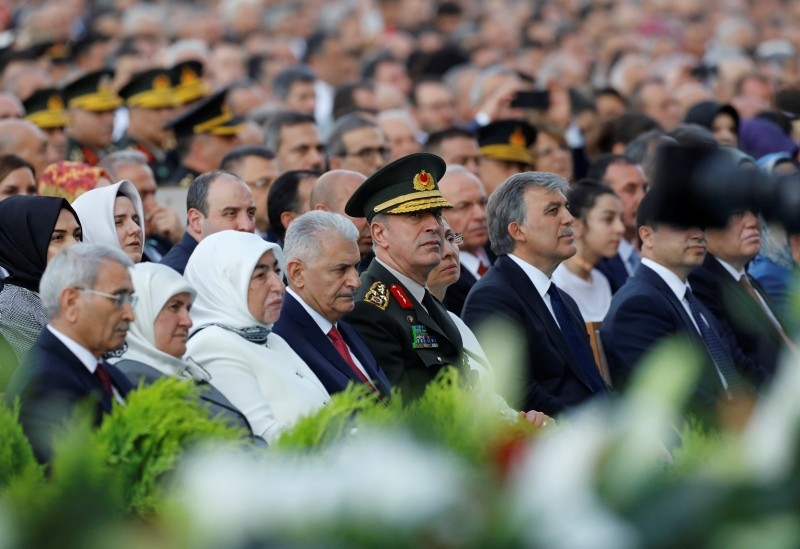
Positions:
{"x": 367, "y": 153}
{"x": 455, "y": 239}
{"x": 120, "y": 300}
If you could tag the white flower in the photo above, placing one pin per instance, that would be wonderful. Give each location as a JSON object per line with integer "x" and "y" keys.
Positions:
{"x": 372, "y": 479}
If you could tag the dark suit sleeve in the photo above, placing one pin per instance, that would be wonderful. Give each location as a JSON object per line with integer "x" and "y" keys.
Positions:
{"x": 482, "y": 305}
{"x": 629, "y": 331}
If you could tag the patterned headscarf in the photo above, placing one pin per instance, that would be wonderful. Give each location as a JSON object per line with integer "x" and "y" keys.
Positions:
{"x": 70, "y": 179}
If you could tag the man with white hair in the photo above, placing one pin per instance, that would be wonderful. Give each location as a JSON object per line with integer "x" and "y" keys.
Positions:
{"x": 322, "y": 255}
{"x": 88, "y": 295}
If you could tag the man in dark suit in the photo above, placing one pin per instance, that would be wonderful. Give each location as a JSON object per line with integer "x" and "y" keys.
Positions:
{"x": 657, "y": 302}
{"x": 408, "y": 331}
{"x": 531, "y": 232}
{"x": 465, "y": 192}
{"x": 736, "y": 299}
{"x": 216, "y": 201}
{"x": 88, "y": 294}
{"x": 321, "y": 252}
{"x": 626, "y": 179}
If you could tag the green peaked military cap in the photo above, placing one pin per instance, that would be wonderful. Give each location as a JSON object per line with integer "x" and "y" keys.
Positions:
{"x": 409, "y": 184}
{"x": 508, "y": 140}
{"x": 149, "y": 89}
{"x": 209, "y": 116}
{"x": 92, "y": 92}
{"x": 45, "y": 108}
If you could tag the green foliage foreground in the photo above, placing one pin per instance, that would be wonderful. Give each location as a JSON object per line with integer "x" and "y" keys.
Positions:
{"x": 447, "y": 470}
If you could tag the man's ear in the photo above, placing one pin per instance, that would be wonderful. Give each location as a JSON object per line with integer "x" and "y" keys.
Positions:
{"x": 515, "y": 232}
{"x": 195, "y": 220}
{"x": 287, "y": 217}
{"x": 378, "y": 232}
{"x": 295, "y": 273}
{"x": 646, "y": 236}
{"x": 68, "y": 302}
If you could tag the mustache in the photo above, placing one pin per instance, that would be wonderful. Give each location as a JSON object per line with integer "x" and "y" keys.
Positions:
{"x": 567, "y": 231}
{"x": 350, "y": 294}
{"x": 122, "y": 327}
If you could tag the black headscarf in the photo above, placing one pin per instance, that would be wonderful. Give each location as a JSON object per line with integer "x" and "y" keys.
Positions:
{"x": 26, "y": 225}
{"x": 705, "y": 112}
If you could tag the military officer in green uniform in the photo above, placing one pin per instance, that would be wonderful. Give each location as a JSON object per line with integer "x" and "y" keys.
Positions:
{"x": 90, "y": 105}
{"x": 408, "y": 330}
{"x": 205, "y": 133}
{"x": 45, "y": 109}
{"x": 151, "y": 102}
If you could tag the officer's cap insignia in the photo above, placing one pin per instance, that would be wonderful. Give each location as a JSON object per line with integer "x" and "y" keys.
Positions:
{"x": 424, "y": 181}
{"x": 378, "y": 295}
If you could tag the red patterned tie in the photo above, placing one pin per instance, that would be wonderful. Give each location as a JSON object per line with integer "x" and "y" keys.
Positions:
{"x": 338, "y": 342}
{"x": 105, "y": 379}
{"x": 745, "y": 282}
{"x": 482, "y": 269}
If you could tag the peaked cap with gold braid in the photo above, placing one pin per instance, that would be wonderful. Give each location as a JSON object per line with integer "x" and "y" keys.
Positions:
{"x": 92, "y": 92}
{"x": 409, "y": 184}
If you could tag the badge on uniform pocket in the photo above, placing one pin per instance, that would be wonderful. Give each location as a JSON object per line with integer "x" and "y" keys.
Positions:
{"x": 421, "y": 339}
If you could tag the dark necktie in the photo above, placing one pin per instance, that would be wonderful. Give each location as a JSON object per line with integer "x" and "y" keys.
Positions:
{"x": 341, "y": 347}
{"x": 744, "y": 282}
{"x": 105, "y": 379}
{"x": 442, "y": 318}
{"x": 482, "y": 269}
{"x": 579, "y": 349}
{"x": 715, "y": 348}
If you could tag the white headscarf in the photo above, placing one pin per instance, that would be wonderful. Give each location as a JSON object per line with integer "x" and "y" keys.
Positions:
{"x": 220, "y": 269}
{"x": 154, "y": 285}
{"x": 95, "y": 210}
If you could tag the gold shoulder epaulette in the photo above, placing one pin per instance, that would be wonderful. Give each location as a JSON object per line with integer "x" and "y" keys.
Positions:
{"x": 378, "y": 295}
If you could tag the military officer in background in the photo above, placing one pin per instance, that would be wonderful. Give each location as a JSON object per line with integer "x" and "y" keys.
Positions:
{"x": 205, "y": 133}
{"x": 408, "y": 330}
{"x": 151, "y": 103}
{"x": 188, "y": 84}
{"x": 45, "y": 109}
{"x": 91, "y": 103}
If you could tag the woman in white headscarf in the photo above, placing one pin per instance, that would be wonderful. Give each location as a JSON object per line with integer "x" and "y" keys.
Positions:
{"x": 113, "y": 216}
{"x": 156, "y": 340}
{"x": 239, "y": 296}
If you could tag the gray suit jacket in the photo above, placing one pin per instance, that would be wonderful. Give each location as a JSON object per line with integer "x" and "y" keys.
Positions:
{"x": 218, "y": 405}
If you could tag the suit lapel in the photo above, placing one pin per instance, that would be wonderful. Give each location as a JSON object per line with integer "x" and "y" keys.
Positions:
{"x": 450, "y": 333}
{"x": 530, "y": 297}
{"x": 364, "y": 357}
{"x": 90, "y": 383}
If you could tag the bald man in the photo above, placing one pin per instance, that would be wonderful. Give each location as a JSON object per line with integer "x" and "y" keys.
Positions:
{"x": 22, "y": 138}
{"x": 10, "y": 106}
{"x": 331, "y": 192}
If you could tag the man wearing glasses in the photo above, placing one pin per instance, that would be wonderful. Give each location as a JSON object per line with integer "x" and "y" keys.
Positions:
{"x": 88, "y": 295}
{"x": 357, "y": 144}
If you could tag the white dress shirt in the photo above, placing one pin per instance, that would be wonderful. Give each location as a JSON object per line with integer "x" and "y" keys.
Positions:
{"x": 539, "y": 280}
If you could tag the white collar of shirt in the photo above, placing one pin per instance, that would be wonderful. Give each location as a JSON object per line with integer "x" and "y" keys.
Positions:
{"x": 539, "y": 279}
{"x": 672, "y": 280}
{"x": 737, "y": 275}
{"x": 626, "y": 250}
{"x": 415, "y": 288}
{"x": 471, "y": 262}
{"x": 324, "y": 324}
{"x": 81, "y": 353}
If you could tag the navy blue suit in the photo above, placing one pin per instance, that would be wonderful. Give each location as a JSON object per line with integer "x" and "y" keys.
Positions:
{"x": 614, "y": 270}
{"x": 50, "y": 382}
{"x": 179, "y": 254}
{"x": 300, "y": 331}
{"x": 645, "y": 312}
{"x": 552, "y": 378}
{"x": 730, "y": 302}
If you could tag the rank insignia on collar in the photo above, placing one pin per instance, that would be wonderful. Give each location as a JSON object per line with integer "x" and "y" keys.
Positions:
{"x": 378, "y": 296}
{"x": 400, "y": 295}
